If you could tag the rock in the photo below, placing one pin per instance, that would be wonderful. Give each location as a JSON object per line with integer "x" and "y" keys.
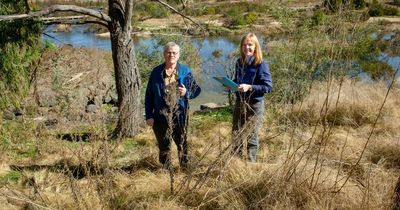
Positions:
{"x": 51, "y": 123}
{"x": 8, "y": 115}
{"x": 208, "y": 106}
{"x": 104, "y": 35}
{"x": 91, "y": 108}
{"x": 114, "y": 109}
{"x": 47, "y": 98}
{"x": 18, "y": 112}
{"x": 62, "y": 28}
{"x": 110, "y": 98}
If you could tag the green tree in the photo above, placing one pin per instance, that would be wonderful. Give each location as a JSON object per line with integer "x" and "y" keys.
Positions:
{"x": 19, "y": 50}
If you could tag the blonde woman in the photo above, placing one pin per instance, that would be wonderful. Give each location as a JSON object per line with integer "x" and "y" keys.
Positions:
{"x": 254, "y": 79}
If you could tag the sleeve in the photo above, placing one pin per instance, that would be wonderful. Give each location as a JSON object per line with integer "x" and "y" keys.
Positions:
{"x": 193, "y": 89}
{"x": 149, "y": 99}
{"x": 237, "y": 67}
{"x": 263, "y": 82}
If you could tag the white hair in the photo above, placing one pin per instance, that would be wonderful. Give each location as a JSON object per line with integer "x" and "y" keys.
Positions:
{"x": 171, "y": 45}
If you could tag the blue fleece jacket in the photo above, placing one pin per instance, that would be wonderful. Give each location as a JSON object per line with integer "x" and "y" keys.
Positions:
{"x": 258, "y": 76}
{"x": 155, "y": 92}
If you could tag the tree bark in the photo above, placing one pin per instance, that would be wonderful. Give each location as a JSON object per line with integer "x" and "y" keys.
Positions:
{"x": 127, "y": 75}
{"x": 396, "y": 204}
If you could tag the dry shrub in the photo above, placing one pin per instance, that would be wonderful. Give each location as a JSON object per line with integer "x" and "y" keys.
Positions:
{"x": 141, "y": 190}
{"x": 345, "y": 104}
{"x": 386, "y": 152}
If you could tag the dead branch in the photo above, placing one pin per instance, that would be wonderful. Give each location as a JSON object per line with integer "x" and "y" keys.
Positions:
{"x": 184, "y": 16}
{"x": 59, "y": 8}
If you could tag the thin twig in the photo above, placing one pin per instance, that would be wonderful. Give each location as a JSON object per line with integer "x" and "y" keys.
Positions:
{"x": 176, "y": 11}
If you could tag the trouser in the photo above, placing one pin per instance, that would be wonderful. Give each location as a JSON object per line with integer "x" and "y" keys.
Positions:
{"x": 164, "y": 134}
{"x": 247, "y": 120}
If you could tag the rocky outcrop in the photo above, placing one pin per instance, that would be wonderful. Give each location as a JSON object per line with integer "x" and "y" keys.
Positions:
{"x": 73, "y": 85}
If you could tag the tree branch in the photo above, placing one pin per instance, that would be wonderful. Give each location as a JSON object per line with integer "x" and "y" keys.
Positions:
{"x": 57, "y": 8}
{"x": 176, "y": 11}
{"x": 128, "y": 14}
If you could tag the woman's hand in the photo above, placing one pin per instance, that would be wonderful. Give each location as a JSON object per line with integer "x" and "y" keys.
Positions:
{"x": 244, "y": 88}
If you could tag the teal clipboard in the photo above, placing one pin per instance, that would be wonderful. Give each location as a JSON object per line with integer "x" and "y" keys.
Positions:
{"x": 227, "y": 82}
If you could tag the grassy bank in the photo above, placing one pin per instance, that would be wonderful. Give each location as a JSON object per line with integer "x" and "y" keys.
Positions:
{"x": 335, "y": 150}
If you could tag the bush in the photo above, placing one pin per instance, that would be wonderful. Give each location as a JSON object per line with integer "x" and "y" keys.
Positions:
{"x": 377, "y": 69}
{"x": 49, "y": 45}
{"x": 250, "y": 18}
{"x": 20, "y": 45}
{"x": 154, "y": 9}
{"x": 318, "y": 18}
{"x": 336, "y": 5}
{"x": 376, "y": 9}
{"x": 238, "y": 19}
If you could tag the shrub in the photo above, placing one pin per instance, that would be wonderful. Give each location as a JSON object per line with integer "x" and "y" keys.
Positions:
{"x": 377, "y": 69}
{"x": 19, "y": 50}
{"x": 336, "y": 5}
{"x": 318, "y": 18}
{"x": 154, "y": 9}
{"x": 49, "y": 45}
{"x": 386, "y": 153}
{"x": 377, "y": 9}
{"x": 250, "y": 18}
{"x": 210, "y": 11}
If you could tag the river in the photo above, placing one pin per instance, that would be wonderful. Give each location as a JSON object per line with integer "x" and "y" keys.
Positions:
{"x": 212, "y": 91}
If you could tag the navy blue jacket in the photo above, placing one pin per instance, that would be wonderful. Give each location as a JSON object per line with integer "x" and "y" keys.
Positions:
{"x": 258, "y": 76}
{"x": 155, "y": 92}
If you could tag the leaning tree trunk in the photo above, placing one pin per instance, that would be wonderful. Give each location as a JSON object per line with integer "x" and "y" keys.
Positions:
{"x": 127, "y": 76}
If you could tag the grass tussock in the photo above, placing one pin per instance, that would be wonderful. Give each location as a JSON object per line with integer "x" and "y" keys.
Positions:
{"x": 386, "y": 152}
{"x": 345, "y": 104}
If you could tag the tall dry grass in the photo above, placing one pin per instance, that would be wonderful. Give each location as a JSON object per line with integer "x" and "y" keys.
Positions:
{"x": 305, "y": 165}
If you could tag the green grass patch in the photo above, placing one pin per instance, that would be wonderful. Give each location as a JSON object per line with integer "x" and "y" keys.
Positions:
{"x": 11, "y": 176}
{"x": 209, "y": 119}
{"x": 16, "y": 139}
{"x": 130, "y": 144}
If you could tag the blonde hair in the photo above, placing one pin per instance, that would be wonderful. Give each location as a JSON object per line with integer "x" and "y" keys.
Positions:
{"x": 252, "y": 38}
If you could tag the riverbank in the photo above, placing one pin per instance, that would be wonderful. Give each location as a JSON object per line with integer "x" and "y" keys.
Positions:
{"x": 350, "y": 152}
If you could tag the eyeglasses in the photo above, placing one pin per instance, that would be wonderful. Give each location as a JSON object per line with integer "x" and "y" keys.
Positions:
{"x": 172, "y": 53}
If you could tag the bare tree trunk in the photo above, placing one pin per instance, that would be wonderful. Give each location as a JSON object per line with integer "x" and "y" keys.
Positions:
{"x": 127, "y": 76}
{"x": 396, "y": 204}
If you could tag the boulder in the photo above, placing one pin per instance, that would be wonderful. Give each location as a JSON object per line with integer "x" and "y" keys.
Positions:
{"x": 208, "y": 106}
{"x": 8, "y": 115}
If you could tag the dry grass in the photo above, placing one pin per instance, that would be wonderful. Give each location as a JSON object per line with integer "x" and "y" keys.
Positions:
{"x": 314, "y": 162}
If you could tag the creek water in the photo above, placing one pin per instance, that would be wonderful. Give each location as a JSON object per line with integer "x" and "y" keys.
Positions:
{"x": 215, "y": 54}
{"x": 207, "y": 48}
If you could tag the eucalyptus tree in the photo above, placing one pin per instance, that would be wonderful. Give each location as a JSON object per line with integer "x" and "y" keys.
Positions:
{"x": 127, "y": 75}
